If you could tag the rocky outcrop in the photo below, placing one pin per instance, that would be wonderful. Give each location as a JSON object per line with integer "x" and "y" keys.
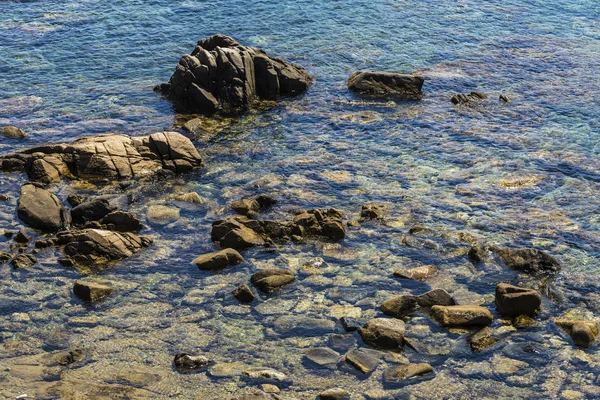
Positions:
{"x": 223, "y": 77}
{"x": 270, "y": 279}
{"x": 392, "y": 84}
{"x": 527, "y": 259}
{"x": 92, "y": 210}
{"x": 583, "y": 332}
{"x": 106, "y": 157}
{"x": 218, "y": 260}
{"x": 461, "y": 315}
{"x": 384, "y": 333}
{"x": 241, "y": 232}
{"x": 89, "y": 247}
{"x": 12, "y": 132}
{"x": 42, "y": 210}
{"x": 91, "y": 291}
{"x": 512, "y": 301}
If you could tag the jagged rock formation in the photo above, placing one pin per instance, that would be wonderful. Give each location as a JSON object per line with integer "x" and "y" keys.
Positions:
{"x": 223, "y": 77}
{"x": 102, "y": 157}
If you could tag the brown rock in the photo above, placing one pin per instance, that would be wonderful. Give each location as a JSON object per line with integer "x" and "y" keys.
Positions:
{"x": 244, "y": 294}
{"x": 90, "y": 291}
{"x": 418, "y": 273}
{"x": 12, "y": 132}
{"x": 218, "y": 260}
{"x": 399, "y": 306}
{"x": 188, "y": 362}
{"x": 334, "y": 394}
{"x": 582, "y": 332}
{"x": 461, "y": 315}
{"x": 394, "y": 84}
{"x": 527, "y": 260}
{"x": 42, "y": 210}
{"x": 385, "y": 333}
{"x": 364, "y": 360}
{"x": 400, "y": 372}
{"x": 270, "y": 279}
{"x": 512, "y": 301}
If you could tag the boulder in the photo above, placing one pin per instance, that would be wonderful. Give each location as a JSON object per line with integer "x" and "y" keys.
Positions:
{"x": 90, "y": 247}
{"x": 512, "y": 301}
{"x": 583, "y": 332}
{"x": 121, "y": 221}
{"x": 106, "y": 157}
{"x": 392, "y": 84}
{"x": 399, "y": 306}
{"x": 42, "y": 210}
{"x": 418, "y": 273}
{"x": 351, "y": 324}
{"x": 90, "y": 291}
{"x": 401, "y": 372}
{"x": 244, "y": 294}
{"x": 249, "y": 207}
{"x": 436, "y": 297}
{"x": 91, "y": 210}
{"x": 527, "y": 259}
{"x": 12, "y": 132}
{"x": 218, "y": 260}
{"x": 334, "y": 394}
{"x": 223, "y": 77}
{"x": 364, "y": 360}
{"x": 188, "y": 362}
{"x": 268, "y": 280}
{"x": 461, "y": 315}
{"x": 385, "y": 333}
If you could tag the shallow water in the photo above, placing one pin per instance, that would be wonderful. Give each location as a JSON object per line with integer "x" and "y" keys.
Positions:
{"x": 524, "y": 173}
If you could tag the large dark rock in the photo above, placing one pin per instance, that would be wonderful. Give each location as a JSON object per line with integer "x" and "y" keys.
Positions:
{"x": 394, "y": 84}
{"x": 94, "y": 247}
{"x": 270, "y": 279}
{"x": 512, "y": 301}
{"x": 92, "y": 210}
{"x": 527, "y": 259}
{"x": 435, "y": 297}
{"x": 385, "y": 333}
{"x": 469, "y": 98}
{"x": 42, "y": 210}
{"x": 121, "y": 221}
{"x": 106, "y": 157}
{"x": 223, "y": 77}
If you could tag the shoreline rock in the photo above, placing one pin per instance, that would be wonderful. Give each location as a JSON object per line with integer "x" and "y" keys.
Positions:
{"x": 461, "y": 315}
{"x": 223, "y": 77}
{"x": 527, "y": 259}
{"x": 512, "y": 301}
{"x": 90, "y": 291}
{"x": 218, "y": 260}
{"x": 387, "y": 84}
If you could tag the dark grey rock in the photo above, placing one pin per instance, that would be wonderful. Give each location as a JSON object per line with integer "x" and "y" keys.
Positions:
{"x": 436, "y": 297}
{"x": 22, "y": 236}
{"x": 121, "y": 221}
{"x": 527, "y": 259}
{"x": 91, "y": 291}
{"x": 393, "y": 84}
{"x": 351, "y": 324}
{"x": 91, "y": 210}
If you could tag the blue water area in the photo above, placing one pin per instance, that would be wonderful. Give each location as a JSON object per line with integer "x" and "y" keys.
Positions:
{"x": 523, "y": 173}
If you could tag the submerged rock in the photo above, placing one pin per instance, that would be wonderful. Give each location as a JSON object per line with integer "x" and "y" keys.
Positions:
{"x": 482, "y": 339}
{"x": 461, "y": 315}
{"x": 22, "y": 237}
{"x": 371, "y": 211}
{"x": 90, "y": 291}
{"x": 42, "y": 210}
{"x": 322, "y": 356}
{"x": 364, "y": 360}
{"x": 401, "y": 372}
{"x": 417, "y": 273}
{"x": 250, "y": 207}
{"x": 334, "y": 394}
{"x": 385, "y": 333}
{"x": 223, "y": 77}
{"x": 187, "y": 362}
{"x": 583, "y": 332}
{"x": 264, "y": 373}
{"x": 106, "y": 157}
{"x": 527, "y": 259}
{"x": 351, "y": 324}
{"x": 23, "y": 261}
{"x": 401, "y": 86}
{"x": 512, "y": 301}
{"x": 268, "y": 280}
{"x": 468, "y": 99}
{"x": 12, "y": 132}
{"x": 244, "y": 294}
{"x": 191, "y": 197}
{"x": 218, "y": 260}
{"x": 89, "y": 247}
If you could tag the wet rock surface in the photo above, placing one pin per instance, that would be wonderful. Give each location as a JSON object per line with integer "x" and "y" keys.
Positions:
{"x": 323, "y": 357}
{"x": 512, "y": 301}
{"x": 399, "y": 306}
{"x": 393, "y": 84}
{"x": 268, "y": 280}
{"x": 364, "y": 360}
{"x": 417, "y": 273}
{"x": 385, "y": 333}
{"x": 42, "y": 210}
{"x": 223, "y": 77}
{"x": 218, "y": 260}
{"x": 527, "y": 260}
{"x": 91, "y": 291}
{"x": 334, "y": 394}
{"x": 106, "y": 157}
{"x": 582, "y": 332}
{"x": 188, "y": 362}
{"x": 244, "y": 294}
{"x": 461, "y": 315}
{"x": 402, "y": 372}
{"x": 12, "y": 132}
{"x": 436, "y": 297}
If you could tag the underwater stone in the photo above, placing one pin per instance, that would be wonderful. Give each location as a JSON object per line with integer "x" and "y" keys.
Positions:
{"x": 244, "y": 294}
{"x": 527, "y": 259}
{"x": 482, "y": 339}
{"x": 351, "y": 324}
{"x": 418, "y": 273}
{"x": 322, "y": 356}
{"x": 187, "y": 362}
{"x": 582, "y": 332}
{"x": 401, "y": 372}
{"x": 364, "y": 360}
{"x": 436, "y": 297}
{"x": 334, "y": 394}
{"x": 270, "y": 279}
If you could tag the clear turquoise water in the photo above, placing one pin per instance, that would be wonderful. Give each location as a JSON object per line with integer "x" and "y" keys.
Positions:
{"x": 524, "y": 173}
